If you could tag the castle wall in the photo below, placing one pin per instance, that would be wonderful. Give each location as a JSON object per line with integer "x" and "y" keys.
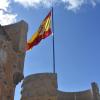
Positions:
{"x": 83, "y": 95}
{"x": 11, "y": 61}
{"x": 43, "y": 86}
{"x": 40, "y": 87}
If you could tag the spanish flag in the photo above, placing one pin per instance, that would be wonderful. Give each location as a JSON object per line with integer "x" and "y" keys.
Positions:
{"x": 43, "y": 32}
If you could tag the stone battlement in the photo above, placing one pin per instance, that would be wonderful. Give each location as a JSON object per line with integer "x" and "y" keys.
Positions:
{"x": 43, "y": 86}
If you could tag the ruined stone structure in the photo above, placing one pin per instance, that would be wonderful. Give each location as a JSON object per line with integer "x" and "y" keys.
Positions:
{"x": 12, "y": 52}
{"x": 42, "y": 86}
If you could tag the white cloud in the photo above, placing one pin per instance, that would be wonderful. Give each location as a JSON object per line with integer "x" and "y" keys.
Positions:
{"x": 4, "y": 4}
{"x": 28, "y": 3}
{"x": 93, "y": 2}
{"x": 6, "y": 17}
{"x": 70, "y": 4}
{"x": 77, "y": 4}
{"x": 36, "y": 3}
{"x": 73, "y": 4}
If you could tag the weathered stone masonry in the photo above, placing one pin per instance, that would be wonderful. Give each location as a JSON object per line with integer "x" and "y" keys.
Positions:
{"x": 43, "y": 86}
{"x": 12, "y": 52}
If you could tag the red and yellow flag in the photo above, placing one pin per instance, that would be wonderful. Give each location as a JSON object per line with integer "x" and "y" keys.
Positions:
{"x": 43, "y": 32}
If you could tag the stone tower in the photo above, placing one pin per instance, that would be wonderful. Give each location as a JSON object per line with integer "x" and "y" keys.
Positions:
{"x": 95, "y": 89}
{"x": 12, "y": 52}
{"x": 40, "y": 87}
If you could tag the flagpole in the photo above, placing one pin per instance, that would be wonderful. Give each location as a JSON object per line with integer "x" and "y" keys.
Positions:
{"x": 53, "y": 42}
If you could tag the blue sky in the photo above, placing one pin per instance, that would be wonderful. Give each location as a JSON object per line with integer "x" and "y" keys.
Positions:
{"x": 77, "y": 40}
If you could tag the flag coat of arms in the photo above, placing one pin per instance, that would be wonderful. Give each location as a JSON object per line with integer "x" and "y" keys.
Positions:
{"x": 43, "y": 32}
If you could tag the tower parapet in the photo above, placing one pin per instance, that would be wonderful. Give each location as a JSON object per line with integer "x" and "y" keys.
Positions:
{"x": 40, "y": 87}
{"x": 95, "y": 91}
{"x": 44, "y": 87}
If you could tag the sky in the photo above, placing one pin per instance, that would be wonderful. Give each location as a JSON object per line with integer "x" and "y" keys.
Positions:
{"x": 77, "y": 40}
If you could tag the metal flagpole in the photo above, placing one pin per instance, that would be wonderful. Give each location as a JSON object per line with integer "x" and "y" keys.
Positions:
{"x": 53, "y": 42}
